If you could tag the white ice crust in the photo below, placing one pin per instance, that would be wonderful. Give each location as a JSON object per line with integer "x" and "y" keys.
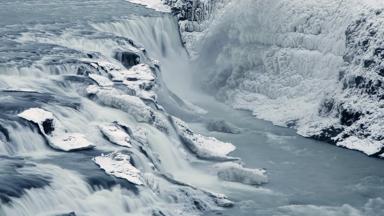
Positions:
{"x": 116, "y": 134}
{"x": 101, "y": 80}
{"x": 204, "y": 147}
{"x": 118, "y": 165}
{"x": 58, "y": 138}
{"x": 235, "y": 172}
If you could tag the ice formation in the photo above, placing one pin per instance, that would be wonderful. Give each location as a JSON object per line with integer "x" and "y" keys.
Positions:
{"x": 53, "y": 131}
{"x": 204, "y": 147}
{"x": 235, "y": 172}
{"x": 118, "y": 164}
{"x": 116, "y": 134}
{"x": 310, "y": 65}
{"x": 222, "y": 126}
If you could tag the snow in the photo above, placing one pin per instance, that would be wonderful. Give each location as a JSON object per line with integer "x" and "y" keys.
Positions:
{"x": 130, "y": 104}
{"x": 118, "y": 164}
{"x": 366, "y": 146}
{"x": 235, "y": 172}
{"x": 153, "y": 4}
{"x": 36, "y": 115}
{"x": 222, "y": 126}
{"x": 116, "y": 134}
{"x": 139, "y": 72}
{"x": 282, "y": 61}
{"x": 202, "y": 146}
{"x": 56, "y": 135}
{"x": 70, "y": 141}
{"x": 101, "y": 80}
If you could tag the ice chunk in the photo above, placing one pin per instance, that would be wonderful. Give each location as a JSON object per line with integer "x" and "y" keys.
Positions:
{"x": 202, "y": 146}
{"x": 118, "y": 164}
{"x": 235, "y": 172}
{"x": 69, "y": 141}
{"x": 101, "y": 80}
{"x": 51, "y": 128}
{"x": 222, "y": 126}
{"x": 36, "y": 115}
{"x": 116, "y": 134}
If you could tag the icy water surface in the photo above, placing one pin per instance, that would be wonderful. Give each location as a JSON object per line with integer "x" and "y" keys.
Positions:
{"x": 43, "y": 46}
{"x": 307, "y": 177}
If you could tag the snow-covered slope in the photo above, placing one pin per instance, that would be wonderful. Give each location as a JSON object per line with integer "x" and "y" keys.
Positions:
{"x": 311, "y": 65}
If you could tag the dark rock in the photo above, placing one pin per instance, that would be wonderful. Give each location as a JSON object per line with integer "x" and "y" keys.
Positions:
{"x": 348, "y": 117}
{"x": 128, "y": 59}
{"x": 48, "y": 126}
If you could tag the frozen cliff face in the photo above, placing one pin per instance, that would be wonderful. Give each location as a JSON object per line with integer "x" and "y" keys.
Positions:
{"x": 357, "y": 104}
{"x": 195, "y": 16}
{"x": 282, "y": 60}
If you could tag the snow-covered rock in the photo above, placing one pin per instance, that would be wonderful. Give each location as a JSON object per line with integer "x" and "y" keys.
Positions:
{"x": 128, "y": 103}
{"x": 235, "y": 172}
{"x": 222, "y": 126}
{"x": 55, "y": 134}
{"x": 138, "y": 72}
{"x": 101, "y": 80}
{"x": 70, "y": 141}
{"x": 118, "y": 164}
{"x": 116, "y": 134}
{"x": 138, "y": 133}
{"x": 204, "y": 147}
{"x": 40, "y": 117}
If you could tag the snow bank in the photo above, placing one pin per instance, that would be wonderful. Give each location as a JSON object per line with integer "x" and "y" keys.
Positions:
{"x": 56, "y": 135}
{"x": 118, "y": 164}
{"x": 235, "y": 172}
{"x": 202, "y": 146}
{"x": 153, "y": 4}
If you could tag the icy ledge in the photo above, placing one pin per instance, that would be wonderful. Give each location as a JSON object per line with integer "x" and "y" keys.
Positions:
{"x": 53, "y": 131}
{"x": 204, "y": 147}
{"x": 119, "y": 165}
{"x": 116, "y": 134}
